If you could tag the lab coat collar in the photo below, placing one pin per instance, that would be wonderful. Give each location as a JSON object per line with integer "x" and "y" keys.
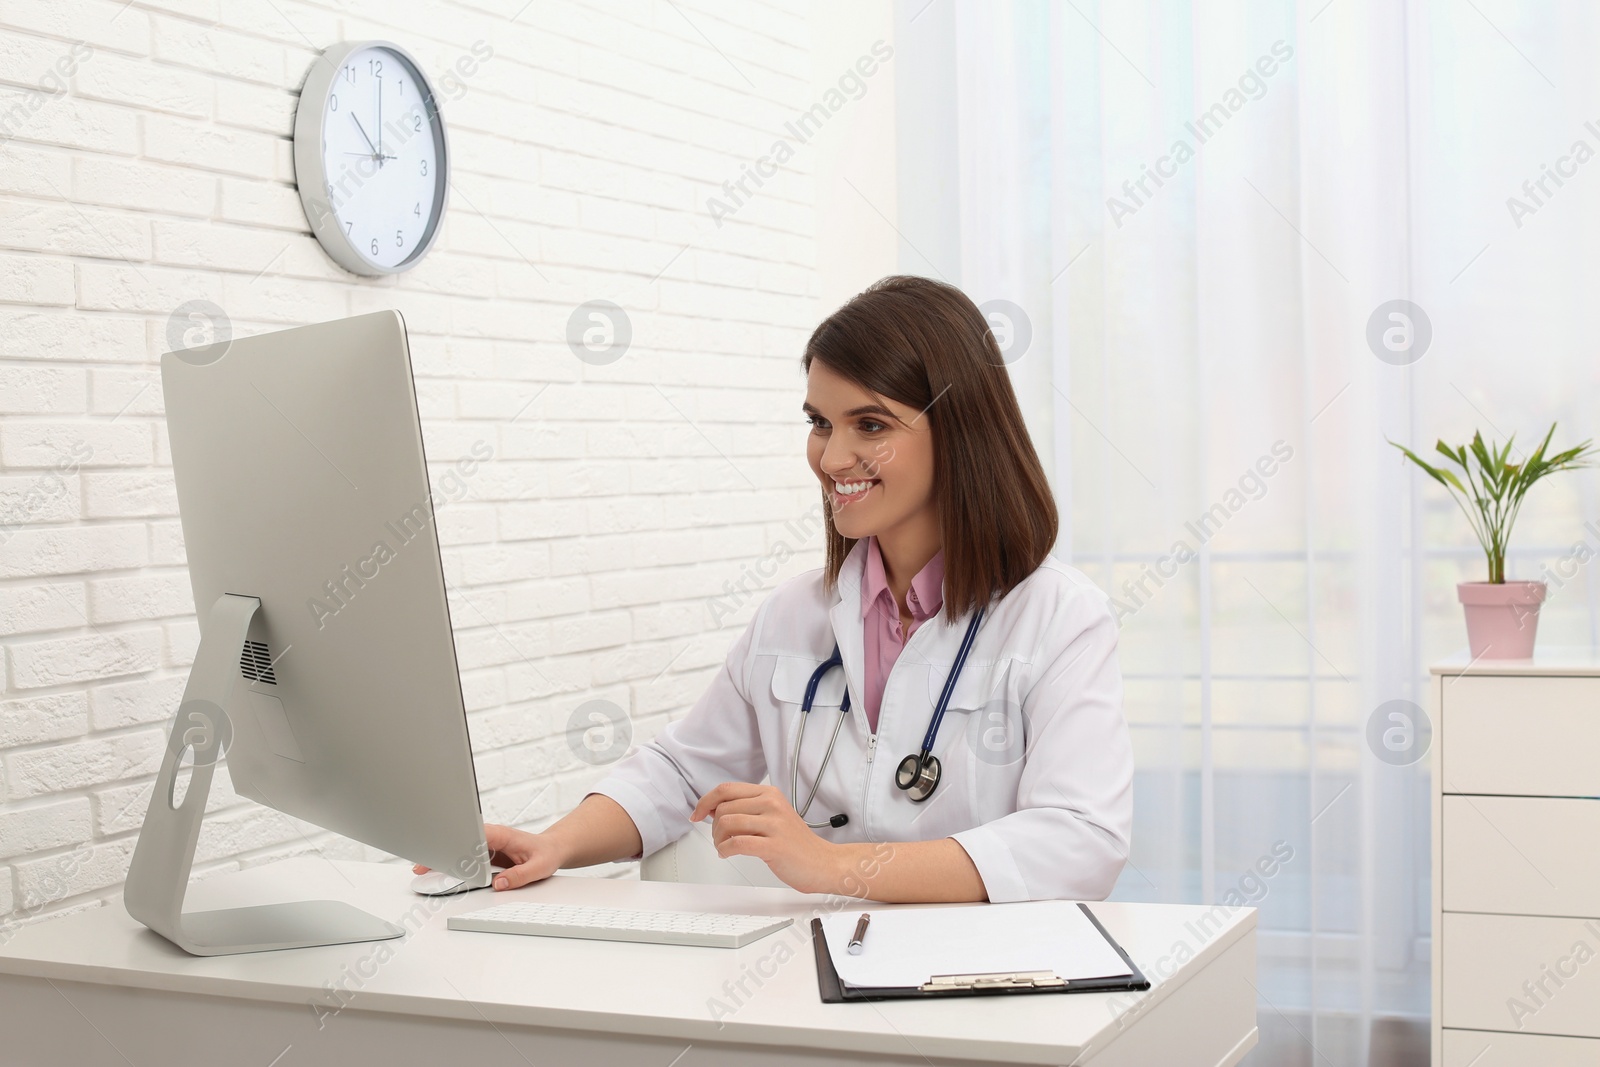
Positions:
{"x": 845, "y": 616}
{"x": 852, "y": 574}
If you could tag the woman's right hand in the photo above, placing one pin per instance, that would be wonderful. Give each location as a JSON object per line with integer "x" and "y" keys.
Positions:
{"x": 526, "y": 857}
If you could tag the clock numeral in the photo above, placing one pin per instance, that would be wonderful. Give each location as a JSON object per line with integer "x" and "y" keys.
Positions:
{"x": 333, "y": 102}
{"x": 402, "y": 87}
{"x": 424, "y": 166}
{"x": 374, "y": 66}
{"x": 350, "y": 73}
{"x": 348, "y": 223}
{"x": 417, "y": 211}
{"x": 399, "y": 239}
{"x": 419, "y": 122}
{"x": 374, "y": 246}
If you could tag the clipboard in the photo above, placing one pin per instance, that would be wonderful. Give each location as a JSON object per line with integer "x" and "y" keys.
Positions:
{"x": 833, "y": 991}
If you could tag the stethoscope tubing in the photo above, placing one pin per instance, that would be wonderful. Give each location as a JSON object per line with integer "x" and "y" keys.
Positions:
{"x": 794, "y": 766}
{"x": 929, "y": 737}
{"x": 932, "y": 733}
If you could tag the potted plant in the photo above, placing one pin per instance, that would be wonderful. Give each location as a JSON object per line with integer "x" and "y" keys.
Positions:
{"x": 1502, "y": 616}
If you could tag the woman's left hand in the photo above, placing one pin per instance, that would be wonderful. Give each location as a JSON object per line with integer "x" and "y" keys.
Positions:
{"x": 759, "y": 821}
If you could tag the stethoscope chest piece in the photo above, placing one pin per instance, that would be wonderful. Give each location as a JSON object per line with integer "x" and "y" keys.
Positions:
{"x": 918, "y": 775}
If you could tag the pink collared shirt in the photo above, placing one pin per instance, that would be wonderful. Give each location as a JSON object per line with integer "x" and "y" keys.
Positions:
{"x": 880, "y": 619}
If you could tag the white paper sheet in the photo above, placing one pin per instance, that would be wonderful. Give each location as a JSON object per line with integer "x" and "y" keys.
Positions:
{"x": 905, "y": 946}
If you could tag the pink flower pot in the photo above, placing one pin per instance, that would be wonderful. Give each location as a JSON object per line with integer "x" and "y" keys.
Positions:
{"x": 1502, "y": 618}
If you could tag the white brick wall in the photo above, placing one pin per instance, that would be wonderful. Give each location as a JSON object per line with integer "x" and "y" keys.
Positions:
{"x": 145, "y": 161}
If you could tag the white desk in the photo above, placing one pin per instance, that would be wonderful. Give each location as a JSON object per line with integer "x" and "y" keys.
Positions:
{"x": 95, "y": 988}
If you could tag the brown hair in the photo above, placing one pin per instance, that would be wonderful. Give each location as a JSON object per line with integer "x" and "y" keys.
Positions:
{"x": 925, "y": 344}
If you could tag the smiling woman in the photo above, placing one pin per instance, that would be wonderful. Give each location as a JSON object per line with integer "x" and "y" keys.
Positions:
{"x": 940, "y": 603}
{"x": 920, "y": 355}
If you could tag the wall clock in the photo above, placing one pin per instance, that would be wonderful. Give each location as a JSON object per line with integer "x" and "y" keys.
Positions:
{"x": 370, "y": 157}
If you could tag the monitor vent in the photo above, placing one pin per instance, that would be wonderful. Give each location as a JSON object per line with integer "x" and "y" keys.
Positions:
{"x": 255, "y": 664}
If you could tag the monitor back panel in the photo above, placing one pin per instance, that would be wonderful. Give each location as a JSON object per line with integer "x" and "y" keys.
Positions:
{"x": 301, "y": 480}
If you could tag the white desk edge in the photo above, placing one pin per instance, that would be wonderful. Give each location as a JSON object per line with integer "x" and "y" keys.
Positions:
{"x": 104, "y": 946}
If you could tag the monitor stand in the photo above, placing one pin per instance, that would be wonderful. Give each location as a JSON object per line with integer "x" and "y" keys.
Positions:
{"x": 159, "y": 874}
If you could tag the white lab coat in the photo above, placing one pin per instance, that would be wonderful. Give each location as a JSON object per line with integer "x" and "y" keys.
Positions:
{"x": 1037, "y": 781}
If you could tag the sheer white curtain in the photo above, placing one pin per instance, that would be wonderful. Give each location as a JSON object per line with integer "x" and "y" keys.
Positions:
{"x": 1199, "y": 208}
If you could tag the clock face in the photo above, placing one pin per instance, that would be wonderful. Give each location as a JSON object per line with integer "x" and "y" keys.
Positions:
{"x": 382, "y": 156}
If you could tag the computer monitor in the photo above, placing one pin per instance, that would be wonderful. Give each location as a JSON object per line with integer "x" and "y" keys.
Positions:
{"x": 327, "y": 665}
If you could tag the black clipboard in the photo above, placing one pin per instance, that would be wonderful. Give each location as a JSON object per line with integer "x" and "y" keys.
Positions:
{"x": 834, "y": 991}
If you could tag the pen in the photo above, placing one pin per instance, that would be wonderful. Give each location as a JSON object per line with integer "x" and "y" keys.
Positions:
{"x": 861, "y": 933}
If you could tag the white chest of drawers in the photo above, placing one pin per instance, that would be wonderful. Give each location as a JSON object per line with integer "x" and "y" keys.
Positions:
{"x": 1516, "y": 862}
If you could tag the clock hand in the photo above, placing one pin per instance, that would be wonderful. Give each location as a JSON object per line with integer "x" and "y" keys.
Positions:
{"x": 380, "y": 120}
{"x": 364, "y": 134}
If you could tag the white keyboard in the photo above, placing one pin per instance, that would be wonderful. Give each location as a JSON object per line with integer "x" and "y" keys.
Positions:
{"x": 705, "y": 929}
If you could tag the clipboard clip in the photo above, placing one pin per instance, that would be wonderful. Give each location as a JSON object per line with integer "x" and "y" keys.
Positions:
{"x": 949, "y": 983}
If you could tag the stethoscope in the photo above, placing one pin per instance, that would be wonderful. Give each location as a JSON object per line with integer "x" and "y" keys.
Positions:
{"x": 918, "y": 774}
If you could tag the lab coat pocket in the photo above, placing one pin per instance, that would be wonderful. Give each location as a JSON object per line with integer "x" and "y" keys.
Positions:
{"x": 980, "y": 687}
{"x": 791, "y": 675}
{"x": 983, "y": 736}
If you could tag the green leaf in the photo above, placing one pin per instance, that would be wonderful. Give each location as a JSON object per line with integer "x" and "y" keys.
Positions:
{"x": 1491, "y": 487}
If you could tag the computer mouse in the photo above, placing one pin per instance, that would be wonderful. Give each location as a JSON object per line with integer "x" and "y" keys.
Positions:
{"x": 441, "y": 884}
